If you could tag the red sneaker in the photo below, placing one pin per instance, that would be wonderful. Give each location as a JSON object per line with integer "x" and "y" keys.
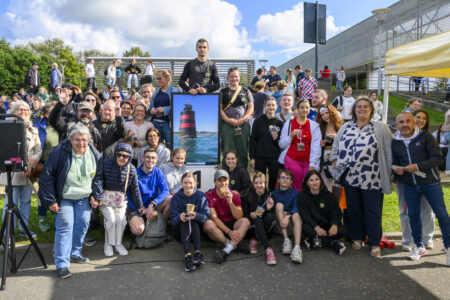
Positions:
{"x": 387, "y": 243}
{"x": 270, "y": 257}
{"x": 253, "y": 243}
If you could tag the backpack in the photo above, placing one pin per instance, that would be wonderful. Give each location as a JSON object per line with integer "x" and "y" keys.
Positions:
{"x": 106, "y": 71}
{"x": 340, "y": 104}
{"x": 154, "y": 234}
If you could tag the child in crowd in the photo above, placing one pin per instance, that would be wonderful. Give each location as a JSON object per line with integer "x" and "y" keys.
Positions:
{"x": 258, "y": 208}
{"x": 286, "y": 103}
{"x": 321, "y": 215}
{"x": 189, "y": 210}
{"x": 286, "y": 210}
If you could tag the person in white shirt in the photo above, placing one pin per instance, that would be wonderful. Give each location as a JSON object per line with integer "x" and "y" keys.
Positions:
{"x": 150, "y": 70}
{"x": 111, "y": 74}
{"x": 377, "y": 106}
{"x": 90, "y": 75}
{"x": 344, "y": 103}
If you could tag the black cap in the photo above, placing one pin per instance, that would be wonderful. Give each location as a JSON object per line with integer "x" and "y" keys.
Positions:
{"x": 35, "y": 64}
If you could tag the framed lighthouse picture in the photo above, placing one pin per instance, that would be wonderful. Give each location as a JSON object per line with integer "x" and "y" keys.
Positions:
{"x": 195, "y": 127}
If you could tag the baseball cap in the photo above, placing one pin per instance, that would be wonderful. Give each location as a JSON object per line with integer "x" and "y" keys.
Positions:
{"x": 85, "y": 105}
{"x": 221, "y": 173}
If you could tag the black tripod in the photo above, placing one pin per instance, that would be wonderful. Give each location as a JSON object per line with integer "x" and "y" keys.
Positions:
{"x": 9, "y": 243}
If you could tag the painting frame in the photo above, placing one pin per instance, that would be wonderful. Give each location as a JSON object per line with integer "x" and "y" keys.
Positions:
{"x": 203, "y": 147}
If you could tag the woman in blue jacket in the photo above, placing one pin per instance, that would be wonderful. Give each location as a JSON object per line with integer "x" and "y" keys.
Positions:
{"x": 160, "y": 105}
{"x": 119, "y": 175}
{"x": 186, "y": 225}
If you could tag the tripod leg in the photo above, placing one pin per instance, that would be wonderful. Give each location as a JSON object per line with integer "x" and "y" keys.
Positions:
{"x": 33, "y": 242}
{"x": 6, "y": 223}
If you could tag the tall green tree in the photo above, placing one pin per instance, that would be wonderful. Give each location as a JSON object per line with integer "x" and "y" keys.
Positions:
{"x": 136, "y": 51}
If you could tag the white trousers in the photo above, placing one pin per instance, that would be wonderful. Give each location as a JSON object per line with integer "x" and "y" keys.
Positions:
{"x": 114, "y": 221}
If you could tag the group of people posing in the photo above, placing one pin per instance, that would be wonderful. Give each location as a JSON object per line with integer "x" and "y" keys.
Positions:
{"x": 115, "y": 155}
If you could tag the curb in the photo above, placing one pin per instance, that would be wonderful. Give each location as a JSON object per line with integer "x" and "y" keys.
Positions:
{"x": 398, "y": 235}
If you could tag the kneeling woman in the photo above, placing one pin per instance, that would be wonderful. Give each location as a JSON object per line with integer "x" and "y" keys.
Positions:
{"x": 189, "y": 210}
{"x": 320, "y": 212}
{"x": 258, "y": 208}
{"x": 119, "y": 177}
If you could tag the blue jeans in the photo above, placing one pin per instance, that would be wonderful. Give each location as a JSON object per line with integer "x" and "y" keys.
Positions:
{"x": 364, "y": 212}
{"x": 130, "y": 77}
{"x": 21, "y": 194}
{"x": 447, "y": 162}
{"x": 71, "y": 225}
{"x": 433, "y": 193}
{"x": 339, "y": 85}
{"x": 164, "y": 131}
{"x": 426, "y": 217}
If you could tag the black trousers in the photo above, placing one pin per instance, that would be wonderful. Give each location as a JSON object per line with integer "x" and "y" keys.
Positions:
{"x": 90, "y": 84}
{"x": 182, "y": 232}
{"x": 263, "y": 228}
{"x": 261, "y": 164}
{"x": 308, "y": 231}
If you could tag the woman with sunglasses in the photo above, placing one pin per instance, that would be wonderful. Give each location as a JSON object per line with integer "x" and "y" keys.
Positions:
{"x": 160, "y": 105}
{"x": 120, "y": 179}
{"x": 93, "y": 99}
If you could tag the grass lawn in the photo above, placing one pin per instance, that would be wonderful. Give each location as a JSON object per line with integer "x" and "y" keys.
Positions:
{"x": 391, "y": 219}
{"x": 399, "y": 104}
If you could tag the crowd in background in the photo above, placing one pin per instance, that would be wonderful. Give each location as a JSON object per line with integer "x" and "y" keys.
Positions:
{"x": 328, "y": 164}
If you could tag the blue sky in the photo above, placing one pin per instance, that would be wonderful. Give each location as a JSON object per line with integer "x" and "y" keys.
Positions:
{"x": 261, "y": 29}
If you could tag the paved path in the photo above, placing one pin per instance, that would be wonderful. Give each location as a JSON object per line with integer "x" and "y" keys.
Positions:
{"x": 159, "y": 274}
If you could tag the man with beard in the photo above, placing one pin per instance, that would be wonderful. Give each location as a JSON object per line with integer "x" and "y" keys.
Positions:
{"x": 85, "y": 114}
{"x": 111, "y": 126}
{"x": 319, "y": 98}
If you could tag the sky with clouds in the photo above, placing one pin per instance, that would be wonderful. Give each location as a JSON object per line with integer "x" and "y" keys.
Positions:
{"x": 263, "y": 29}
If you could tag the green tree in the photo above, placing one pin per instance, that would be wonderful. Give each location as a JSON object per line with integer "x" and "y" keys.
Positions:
{"x": 136, "y": 52}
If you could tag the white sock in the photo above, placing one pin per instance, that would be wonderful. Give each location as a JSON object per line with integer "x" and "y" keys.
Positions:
{"x": 287, "y": 240}
{"x": 228, "y": 248}
{"x": 297, "y": 246}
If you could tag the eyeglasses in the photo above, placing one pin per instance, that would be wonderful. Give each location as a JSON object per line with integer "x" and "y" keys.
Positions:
{"x": 124, "y": 156}
{"x": 285, "y": 178}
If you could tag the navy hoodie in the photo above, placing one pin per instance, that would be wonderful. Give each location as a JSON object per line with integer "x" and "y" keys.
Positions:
{"x": 178, "y": 206}
{"x": 114, "y": 177}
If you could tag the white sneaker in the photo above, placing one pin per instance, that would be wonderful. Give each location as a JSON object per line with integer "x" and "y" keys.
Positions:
{"x": 287, "y": 247}
{"x": 417, "y": 252}
{"x": 406, "y": 248}
{"x": 297, "y": 255}
{"x": 108, "y": 249}
{"x": 447, "y": 172}
{"x": 429, "y": 246}
{"x": 121, "y": 250}
{"x": 448, "y": 256}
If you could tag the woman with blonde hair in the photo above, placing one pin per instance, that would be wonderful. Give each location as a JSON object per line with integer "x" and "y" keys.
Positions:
{"x": 160, "y": 105}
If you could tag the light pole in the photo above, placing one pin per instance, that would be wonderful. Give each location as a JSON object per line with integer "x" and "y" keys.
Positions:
{"x": 380, "y": 17}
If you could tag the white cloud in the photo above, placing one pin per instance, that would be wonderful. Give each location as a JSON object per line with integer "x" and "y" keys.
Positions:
{"x": 286, "y": 28}
{"x": 115, "y": 25}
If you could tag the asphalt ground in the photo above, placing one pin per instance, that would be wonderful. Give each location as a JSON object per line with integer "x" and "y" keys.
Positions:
{"x": 159, "y": 274}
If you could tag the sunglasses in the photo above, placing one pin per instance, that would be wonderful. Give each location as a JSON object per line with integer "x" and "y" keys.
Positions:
{"x": 124, "y": 156}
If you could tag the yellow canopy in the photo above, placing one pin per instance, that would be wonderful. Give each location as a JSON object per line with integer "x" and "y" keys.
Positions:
{"x": 428, "y": 57}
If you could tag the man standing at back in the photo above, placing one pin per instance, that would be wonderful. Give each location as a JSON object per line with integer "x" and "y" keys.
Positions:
{"x": 32, "y": 79}
{"x": 90, "y": 75}
{"x": 202, "y": 73}
{"x": 273, "y": 76}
